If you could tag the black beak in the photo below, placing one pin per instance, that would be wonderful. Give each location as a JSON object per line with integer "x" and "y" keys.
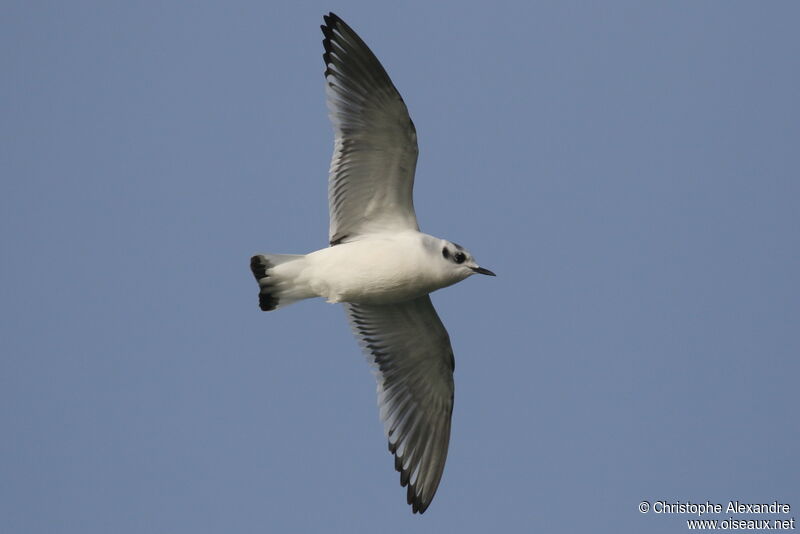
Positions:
{"x": 481, "y": 270}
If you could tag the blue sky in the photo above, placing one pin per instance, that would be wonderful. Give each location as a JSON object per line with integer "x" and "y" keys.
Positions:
{"x": 628, "y": 169}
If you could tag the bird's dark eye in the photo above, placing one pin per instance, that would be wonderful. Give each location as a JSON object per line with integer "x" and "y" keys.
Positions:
{"x": 459, "y": 257}
{"x": 445, "y": 253}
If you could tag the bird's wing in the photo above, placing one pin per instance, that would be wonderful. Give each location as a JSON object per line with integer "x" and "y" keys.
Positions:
{"x": 410, "y": 350}
{"x": 375, "y": 151}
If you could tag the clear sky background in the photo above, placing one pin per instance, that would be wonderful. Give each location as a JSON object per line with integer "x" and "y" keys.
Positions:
{"x": 630, "y": 171}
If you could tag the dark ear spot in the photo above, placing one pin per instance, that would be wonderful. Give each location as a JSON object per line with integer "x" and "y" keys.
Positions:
{"x": 445, "y": 253}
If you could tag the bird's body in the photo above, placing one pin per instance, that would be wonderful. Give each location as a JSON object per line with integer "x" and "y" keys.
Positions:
{"x": 378, "y": 264}
{"x": 375, "y": 269}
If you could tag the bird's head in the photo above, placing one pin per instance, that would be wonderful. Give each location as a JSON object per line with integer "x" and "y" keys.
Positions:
{"x": 460, "y": 261}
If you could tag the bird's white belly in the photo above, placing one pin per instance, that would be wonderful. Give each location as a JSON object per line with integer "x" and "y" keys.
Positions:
{"x": 374, "y": 271}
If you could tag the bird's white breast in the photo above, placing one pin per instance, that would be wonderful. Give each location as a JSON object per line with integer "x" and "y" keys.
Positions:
{"x": 380, "y": 268}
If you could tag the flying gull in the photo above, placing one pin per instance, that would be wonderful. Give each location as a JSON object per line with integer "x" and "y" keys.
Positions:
{"x": 378, "y": 264}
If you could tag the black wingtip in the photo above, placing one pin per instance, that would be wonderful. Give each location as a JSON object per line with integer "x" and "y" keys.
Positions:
{"x": 418, "y": 506}
{"x": 327, "y": 32}
{"x": 331, "y": 20}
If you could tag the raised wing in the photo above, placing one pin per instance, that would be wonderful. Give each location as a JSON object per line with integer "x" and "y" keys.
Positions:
{"x": 375, "y": 151}
{"x": 411, "y": 352}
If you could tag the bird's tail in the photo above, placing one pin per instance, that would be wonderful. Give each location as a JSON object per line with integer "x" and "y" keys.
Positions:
{"x": 280, "y": 279}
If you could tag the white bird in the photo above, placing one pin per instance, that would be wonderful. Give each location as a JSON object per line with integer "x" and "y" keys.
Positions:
{"x": 378, "y": 263}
